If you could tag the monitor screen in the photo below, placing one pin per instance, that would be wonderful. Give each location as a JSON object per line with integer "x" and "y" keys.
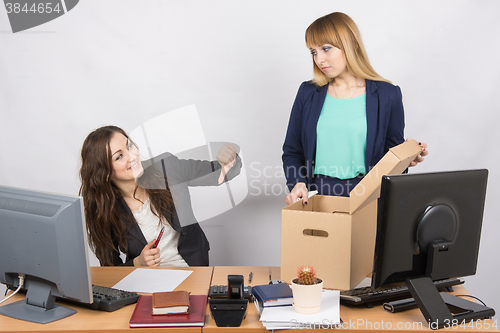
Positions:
{"x": 43, "y": 236}
{"x": 428, "y": 229}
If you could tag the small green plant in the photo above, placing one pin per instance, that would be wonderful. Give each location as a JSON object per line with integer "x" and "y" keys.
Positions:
{"x": 306, "y": 275}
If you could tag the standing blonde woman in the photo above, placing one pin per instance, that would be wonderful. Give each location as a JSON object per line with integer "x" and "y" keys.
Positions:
{"x": 345, "y": 119}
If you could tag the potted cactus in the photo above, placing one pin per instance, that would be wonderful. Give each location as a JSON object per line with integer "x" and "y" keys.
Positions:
{"x": 307, "y": 289}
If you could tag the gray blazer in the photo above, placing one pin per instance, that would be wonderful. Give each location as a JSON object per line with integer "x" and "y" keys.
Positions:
{"x": 179, "y": 175}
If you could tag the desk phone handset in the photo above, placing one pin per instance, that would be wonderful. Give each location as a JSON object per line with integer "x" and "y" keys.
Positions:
{"x": 229, "y": 311}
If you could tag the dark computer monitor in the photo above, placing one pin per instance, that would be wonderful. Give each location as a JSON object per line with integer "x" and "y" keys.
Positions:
{"x": 428, "y": 229}
{"x": 43, "y": 236}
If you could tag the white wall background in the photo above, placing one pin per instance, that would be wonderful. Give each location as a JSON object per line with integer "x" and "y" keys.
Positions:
{"x": 241, "y": 62}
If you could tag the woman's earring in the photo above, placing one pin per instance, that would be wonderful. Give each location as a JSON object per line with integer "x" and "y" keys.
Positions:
{"x": 107, "y": 178}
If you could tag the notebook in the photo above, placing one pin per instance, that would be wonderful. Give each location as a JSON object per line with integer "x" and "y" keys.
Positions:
{"x": 171, "y": 302}
{"x": 267, "y": 295}
{"x": 143, "y": 317}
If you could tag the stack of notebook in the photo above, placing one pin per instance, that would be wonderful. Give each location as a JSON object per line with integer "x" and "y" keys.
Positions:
{"x": 170, "y": 310}
{"x": 285, "y": 317}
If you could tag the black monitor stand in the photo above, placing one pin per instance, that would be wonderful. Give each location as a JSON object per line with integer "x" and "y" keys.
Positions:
{"x": 435, "y": 233}
{"x": 443, "y": 309}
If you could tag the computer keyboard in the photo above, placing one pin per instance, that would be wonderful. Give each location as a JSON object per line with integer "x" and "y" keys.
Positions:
{"x": 111, "y": 299}
{"x": 365, "y": 295}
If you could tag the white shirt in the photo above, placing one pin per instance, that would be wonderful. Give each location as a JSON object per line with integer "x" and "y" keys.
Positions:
{"x": 150, "y": 226}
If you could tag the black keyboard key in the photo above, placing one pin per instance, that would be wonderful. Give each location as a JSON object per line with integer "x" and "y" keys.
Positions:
{"x": 111, "y": 299}
{"x": 364, "y": 295}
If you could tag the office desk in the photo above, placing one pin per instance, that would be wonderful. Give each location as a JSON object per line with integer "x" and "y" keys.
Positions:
{"x": 88, "y": 320}
{"x": 376, "y": 319}
{"x": 359, "y": 319}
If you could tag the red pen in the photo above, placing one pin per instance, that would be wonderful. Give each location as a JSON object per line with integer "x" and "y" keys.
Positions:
{"x": 158, "y": 238}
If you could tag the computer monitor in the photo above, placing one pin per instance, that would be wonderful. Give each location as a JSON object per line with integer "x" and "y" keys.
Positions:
{"x": 428, "y": 229}
{"x": 43, "y": 236}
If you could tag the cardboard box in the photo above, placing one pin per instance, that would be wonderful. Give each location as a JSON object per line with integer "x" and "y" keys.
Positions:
{"x": 336, "y": 235}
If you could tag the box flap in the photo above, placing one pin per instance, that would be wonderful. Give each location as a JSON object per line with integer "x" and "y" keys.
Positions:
{"x": 395, "y": 161}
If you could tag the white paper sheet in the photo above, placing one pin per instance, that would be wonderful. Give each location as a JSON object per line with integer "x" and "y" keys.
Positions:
{"x": 144, "y": 280}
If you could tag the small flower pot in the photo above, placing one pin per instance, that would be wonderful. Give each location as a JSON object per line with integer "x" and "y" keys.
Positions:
{"x": 307, "y": 298}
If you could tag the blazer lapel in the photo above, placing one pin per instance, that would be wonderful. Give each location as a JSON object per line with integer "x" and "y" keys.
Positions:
{"x": 132, "y": 228}
{"x": 371, "y": 120}
{"x": 316, "y": 107}
{"x": 135, "y": 231}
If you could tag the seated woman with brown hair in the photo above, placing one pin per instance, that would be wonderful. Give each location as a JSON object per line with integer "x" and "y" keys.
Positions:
{"x": 127, "y": 202}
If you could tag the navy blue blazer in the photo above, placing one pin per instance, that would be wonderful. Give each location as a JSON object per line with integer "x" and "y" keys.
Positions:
{"x": 385, "y": 127}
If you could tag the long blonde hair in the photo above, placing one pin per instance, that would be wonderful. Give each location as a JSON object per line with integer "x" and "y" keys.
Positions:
{"x": 339, "y": 30}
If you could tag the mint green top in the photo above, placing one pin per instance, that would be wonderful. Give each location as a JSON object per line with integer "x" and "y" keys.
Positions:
{"x": 341, "y": 138}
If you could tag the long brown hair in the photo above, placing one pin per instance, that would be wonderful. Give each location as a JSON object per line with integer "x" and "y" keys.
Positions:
{"x": 106, "y": 223}
{"x": 339, "y": 30}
